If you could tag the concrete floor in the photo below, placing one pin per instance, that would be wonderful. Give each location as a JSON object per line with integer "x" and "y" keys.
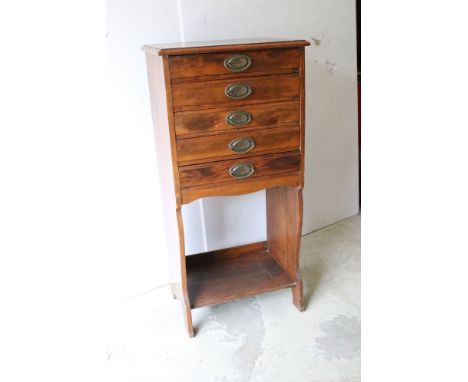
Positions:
{"x": 262, "y": 338}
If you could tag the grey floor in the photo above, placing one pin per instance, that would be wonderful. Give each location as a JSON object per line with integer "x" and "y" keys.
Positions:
{"x": 263, "y": 338}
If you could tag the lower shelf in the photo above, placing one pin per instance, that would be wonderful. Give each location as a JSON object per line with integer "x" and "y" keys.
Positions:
{"x": 233, "y": 273}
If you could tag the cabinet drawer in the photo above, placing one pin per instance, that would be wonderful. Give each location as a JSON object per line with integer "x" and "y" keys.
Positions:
{"x": 235, "y": 91}
{"x": 222, "y": 171}
{"x": 240, "y": 118}
{"x": 223, "y": 146}
{"x": 250, "y": 62}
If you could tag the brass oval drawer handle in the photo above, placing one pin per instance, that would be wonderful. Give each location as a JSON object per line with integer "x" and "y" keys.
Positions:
{"x": 238, "y": 91}
{"x": 237, "y": 63}
{"x": 241, "y": 170}
{"x": 238, "y": 118}
{"x": 241, "y": 145}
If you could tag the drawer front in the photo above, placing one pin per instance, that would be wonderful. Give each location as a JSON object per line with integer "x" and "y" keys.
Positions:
{"x": 235, "y": 92}
{"x": 238, "y": 144}
{"x": 239, "y": 170}
{"x": 254, "y": 62}
{"x": 249, "y": 116}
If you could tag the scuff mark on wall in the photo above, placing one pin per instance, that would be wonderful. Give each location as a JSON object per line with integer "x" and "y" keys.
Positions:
{"x": 331, "y": 66}
{"x": 315, "y": 41}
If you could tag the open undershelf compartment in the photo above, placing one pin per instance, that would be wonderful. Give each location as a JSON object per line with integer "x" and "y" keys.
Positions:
{"x": 233, "y": 273}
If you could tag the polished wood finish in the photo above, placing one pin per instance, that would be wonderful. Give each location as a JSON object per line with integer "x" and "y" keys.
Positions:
{"x": 284, "y": 224}
{"x": 239, "y": 45}
{"x": 169, "y": 180}
{"x": 206, "y": 122}
{"x": 217, "y": 172}
{"x": 189, "y": 106}
{"x": 226, "y": 275}
{"x": 207, "y": 66}
{"x": 245, "y": 186}
{"x": 216, "y": 147}
{"x": 208, "y": 94}
{"x": 212, "y": 179}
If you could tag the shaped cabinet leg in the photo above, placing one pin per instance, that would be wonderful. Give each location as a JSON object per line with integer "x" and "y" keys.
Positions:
{"x": 177, "y": 293}
{"x": 284, "y": 225}
{"x": 188, "y": 318}
{"x": 298, "y": 300}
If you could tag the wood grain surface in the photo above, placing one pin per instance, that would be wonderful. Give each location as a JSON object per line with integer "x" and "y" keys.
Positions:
{"x": 216, "y": 147}
{"x": 196, "y": 47}
{"x": 217, "y": 172}
{"x": 213, "y": 121}
{"x": 203, "y": 66}
{"x": 208, "y": 94}
{"x": 226, "y": 275}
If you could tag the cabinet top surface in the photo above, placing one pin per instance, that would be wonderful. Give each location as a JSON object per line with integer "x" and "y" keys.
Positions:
{"x": 193, "y": 47}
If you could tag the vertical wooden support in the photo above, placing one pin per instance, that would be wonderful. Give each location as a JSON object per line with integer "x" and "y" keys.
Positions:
{"x": 184, "y": 298}
{"x": 161, "y": 105}
{"x": 284, "y": 214}
{"x": 284, "y": 225}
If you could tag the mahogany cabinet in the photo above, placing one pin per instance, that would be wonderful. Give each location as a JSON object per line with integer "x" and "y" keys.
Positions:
{"x": 229, "y": 120}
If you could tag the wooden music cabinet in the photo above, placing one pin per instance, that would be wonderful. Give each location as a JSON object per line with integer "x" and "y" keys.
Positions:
{"x": 229, "y": 120}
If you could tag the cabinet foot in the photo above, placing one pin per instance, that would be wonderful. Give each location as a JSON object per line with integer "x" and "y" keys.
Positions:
{"x": 298, "y": 300}
{"x": 177, "y": 293}
{"x": 188, "y": 320}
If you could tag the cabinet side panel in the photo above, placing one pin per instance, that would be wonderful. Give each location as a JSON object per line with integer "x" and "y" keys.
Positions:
{"x": 284, "y": 207}
{"x": 284, "y": 224}
{"x": 167, "y": 177}
{"x": 302, "y": 116}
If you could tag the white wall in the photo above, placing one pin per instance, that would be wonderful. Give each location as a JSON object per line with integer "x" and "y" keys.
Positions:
{"x": 331, "y": 183}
